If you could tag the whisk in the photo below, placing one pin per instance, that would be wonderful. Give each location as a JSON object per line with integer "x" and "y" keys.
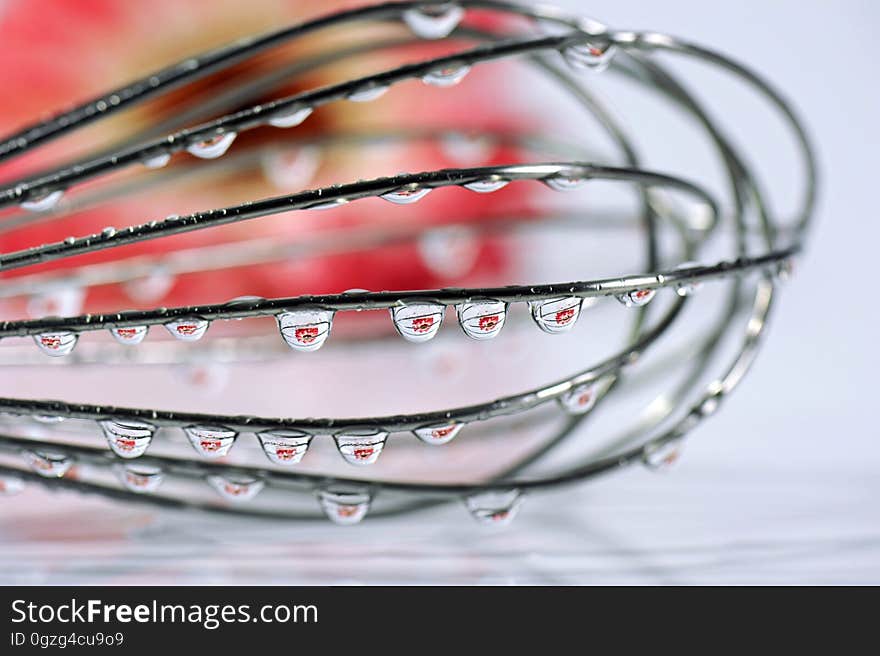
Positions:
{"x": 678, "y": 218}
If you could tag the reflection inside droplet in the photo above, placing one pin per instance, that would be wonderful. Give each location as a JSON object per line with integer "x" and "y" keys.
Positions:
{"x": 556, "y": 315}
{"x": 344, "y": 507}
{"x": 361, "y": 447}
{"x": 305, "y": 330}
{"x": 482, "y": 319}
{"x": 188, "y": 329}
{"x": 438, "y": 434}
{"x": 56, "y": 344}
{"x": 494, "y": 507}
{"x": 212, "y": 148}
{"x": 285, "y": 447}
{"x": 418, "y": 322}
{"x": 128, "y": 438}
{"x": 211, "y": 441}
{"x": 579, "y": 399}
{"x": 236, "y": 488}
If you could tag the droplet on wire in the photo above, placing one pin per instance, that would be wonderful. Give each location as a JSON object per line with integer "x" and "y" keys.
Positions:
{"x": 482, "y": 319}
{"x": 211, "y": 441}
{"x": 368, "y": 93}
{"x": 433, "y": 21}
{"x": 305, "y": 330}
{"x": 188, "y": 329}
{"x": 447, "y": 76}
{"x": 128, "y": 438}
{"x": 361, "y": 447}
{"x": 157, "y": 161}
{"x": 48, "y": 464}
{"x": 487, "y": 185}
{"x": 212, "y": 148}
{"x": 439, "y": 433}
{"x": 291, "y": 117}
{"x": 406, "y": 195}
{"x": 56, "y": 344}
{"x": 661, "y": 455}
{"x": 580, "y": 399}
{"x": 556, "y": 315}
{"x": 236, "y": 488}
{"x": 589, "y": 56}
{"x": 494, "y": 507}
{"x": 344, "y": 507}
{"x": 637, "y": 298}
{"x": 418, "y": 322}
{"x": 129, "y": 335}
{"x": 139, "y": 478}
{"x": 43, "y": 203}
{"x": 285, "y": 447}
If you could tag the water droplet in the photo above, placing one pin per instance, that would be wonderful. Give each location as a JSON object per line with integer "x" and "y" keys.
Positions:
{"x": 433, "y": 21}
{"x": 579, "y": 399}
{"x": 406, "y": 195}
{"x": 488, "y": 185}
{"x": 450, "y": 252}
{"x": 361, "y": 447}
{"x": 565, "y": 181}
{"x": 109, "y": 231}
{"x": 56, "y": 344}
{"x": 285, "y": 447}
{"x": 305, "y": 330}
{"x": 448, "y": 76}
{"x": 49, "y": 419}
{"x": 687, "y": 288}
{"x": 328, "y": 204}
{"x": 211, "y": 441}
{"x": 129, "y": 335}
{"x": 494, "y": 507}
{"x": 64, "y": 302}
{"x": 589, "y": 56}
{"x": 236, "y": 488}
{"x": 482, "y": 319}
{"x": 10, "y": 485}
{"x": 368, "y": 93}
{"x": 556, "y": 315}
{"x": 188, "y": 329}
{"x": 661, "y": 455}
{"x": 418, "y": 322}
{"x": 48, "y": 464}
{"x": 43, "y": 203}
{"x": 212, "y": 148}
{"x": 138, "y": 477}
{"x": 344, "y": 507}
{"x": 152, "y": 287}
{"x": 291, "y": 168}
{"x": 637, "y": 298}
{"x": 157, "y": 161}
{"x": 785, "y": 269}
{"x": 290, "y": 118}
{"x": 439, "y": 433}
{"x": 128, "y": 438}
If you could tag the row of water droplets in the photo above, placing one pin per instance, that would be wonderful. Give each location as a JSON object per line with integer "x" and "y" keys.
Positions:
{"x": 416, "y": 321}
{"x": 343, "y": 505}
{"x": 130, "y": 438}
{"x": 428, "y": 22}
